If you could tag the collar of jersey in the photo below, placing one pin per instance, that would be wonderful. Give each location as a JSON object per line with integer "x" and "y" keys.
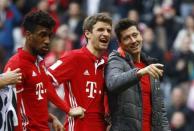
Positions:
{"x": 92, "y": 56}
{"x": 27, "y": 56}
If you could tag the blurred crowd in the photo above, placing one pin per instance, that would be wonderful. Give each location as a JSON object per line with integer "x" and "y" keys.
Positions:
{"x": 167, "y": 27}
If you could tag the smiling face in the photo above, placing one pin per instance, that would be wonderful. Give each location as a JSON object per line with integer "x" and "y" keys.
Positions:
{"x": 99, "y": 36}
{"x": 131, "y": 41}
{"x": 39, "y": 40}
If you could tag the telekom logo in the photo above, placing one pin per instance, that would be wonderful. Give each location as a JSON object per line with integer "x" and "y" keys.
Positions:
{"x": 91, "y": 88}
{"x": 40, "y": 90}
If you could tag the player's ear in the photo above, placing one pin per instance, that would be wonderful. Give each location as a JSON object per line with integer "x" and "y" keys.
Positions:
{"x": 87, "y": 33}
{"x": 28, "y": 35}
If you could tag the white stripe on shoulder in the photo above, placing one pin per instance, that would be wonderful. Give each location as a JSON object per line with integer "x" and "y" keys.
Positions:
{"x": 54, "y": 79}
{"x": 56, "y": 64}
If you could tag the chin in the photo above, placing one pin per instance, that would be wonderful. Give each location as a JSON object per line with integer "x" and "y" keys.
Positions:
{"x": 135, "y": 53}
{"x": 104, "y": 47}
{"x": 43, "y": 54}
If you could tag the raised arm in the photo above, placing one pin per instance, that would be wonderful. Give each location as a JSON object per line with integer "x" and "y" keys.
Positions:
{"x": 117, "y": 77}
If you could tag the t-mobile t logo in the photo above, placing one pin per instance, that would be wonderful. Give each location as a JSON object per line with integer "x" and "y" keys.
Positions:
{"x": 40, "y": 90}
{"x": 90, "y": 87}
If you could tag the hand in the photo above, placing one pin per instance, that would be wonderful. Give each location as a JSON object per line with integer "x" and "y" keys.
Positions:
{"x": 77, "y": 111}
{"x": 108, "y": 127}
{"x": 107, "y": 119}
{"x": 154, "y": 70}
{"x": 57, "y": 126}
{"x": 11, "y": 77}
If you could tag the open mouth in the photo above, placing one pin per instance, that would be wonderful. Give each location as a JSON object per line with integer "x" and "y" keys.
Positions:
{"x": 104, "y": 40}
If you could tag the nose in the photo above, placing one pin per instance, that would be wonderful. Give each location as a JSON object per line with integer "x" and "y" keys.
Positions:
{"x": 47, "y": 40}
{"x": 133, "y": 39}
{"x": 106, "y": 33}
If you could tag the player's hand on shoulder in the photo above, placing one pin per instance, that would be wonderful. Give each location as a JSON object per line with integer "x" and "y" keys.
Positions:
{"x": 77, "y": 111}
{"x": 12, "y": 77}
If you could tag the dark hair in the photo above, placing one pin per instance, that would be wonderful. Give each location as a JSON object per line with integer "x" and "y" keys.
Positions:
{"x": 122, "y": 25}
{"x": 92, "y": 20}
{"x": 37, "y": 17}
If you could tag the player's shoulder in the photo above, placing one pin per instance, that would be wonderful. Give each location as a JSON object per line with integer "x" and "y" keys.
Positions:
{"x": 13, "y": 62}
{"x": 73, "y": 54}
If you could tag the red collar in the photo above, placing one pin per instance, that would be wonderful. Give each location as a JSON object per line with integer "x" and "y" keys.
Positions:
{"x": 92, "y": 56}
{"x": 121, "y": 52}
{"x": 26, "y": 55}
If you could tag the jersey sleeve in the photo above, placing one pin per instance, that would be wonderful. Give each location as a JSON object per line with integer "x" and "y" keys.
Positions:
{"x": 10, "y": 65}
{"x": 55, "y": 99}
{"x": 64, "y": 69}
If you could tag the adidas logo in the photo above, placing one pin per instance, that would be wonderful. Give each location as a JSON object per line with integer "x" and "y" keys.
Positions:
{"x": 34, "y": 73}
{"x": 86, "y": 73}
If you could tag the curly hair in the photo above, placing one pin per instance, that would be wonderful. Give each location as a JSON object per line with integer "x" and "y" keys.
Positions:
{"x": 37, "y": 18}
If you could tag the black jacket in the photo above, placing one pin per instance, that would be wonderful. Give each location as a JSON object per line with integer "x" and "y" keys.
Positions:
{"x": 125, "y": 99}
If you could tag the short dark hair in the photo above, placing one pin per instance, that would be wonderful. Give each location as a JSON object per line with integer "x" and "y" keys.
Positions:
{"x": 92, "y": 20}
{"x": 124, "y": 24}
{"x": 37, "y": 18}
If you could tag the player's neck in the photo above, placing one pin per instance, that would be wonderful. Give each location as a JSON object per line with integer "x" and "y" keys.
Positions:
{"x": 136, "y": 58}
{"x": 28, "y": 49}
{"x": 95, "y": 52}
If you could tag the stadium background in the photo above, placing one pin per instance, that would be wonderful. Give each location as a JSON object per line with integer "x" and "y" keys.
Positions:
{"x": 167, "y": 27}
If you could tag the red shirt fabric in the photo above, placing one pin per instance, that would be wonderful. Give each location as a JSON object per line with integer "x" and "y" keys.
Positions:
{"x": 146, "y": 97}
{"x": 33, "y": 93}
{"x": 83, "y": 76}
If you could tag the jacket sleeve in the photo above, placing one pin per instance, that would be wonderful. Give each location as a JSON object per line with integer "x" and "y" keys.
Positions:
{"x": 116, "y": 76}
{"x": 106, "y": 105}
{"x": 165, "y": 123}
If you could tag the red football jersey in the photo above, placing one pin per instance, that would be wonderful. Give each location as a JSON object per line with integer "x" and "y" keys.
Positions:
{"x": 146, "y": 97}
{"x": 33, "y": 93}
{"x": 83, "y": 76}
